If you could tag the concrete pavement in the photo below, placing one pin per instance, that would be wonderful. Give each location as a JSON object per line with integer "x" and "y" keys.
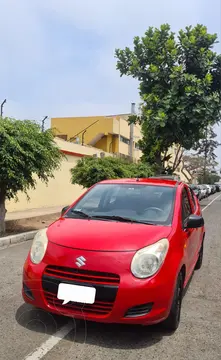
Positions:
{"x": 18, "y": 215}
{"x": 26, "y": 333}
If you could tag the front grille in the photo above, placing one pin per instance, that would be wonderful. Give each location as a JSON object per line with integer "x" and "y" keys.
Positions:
{"x": 139, "y": 310}
{"x": 78, "y": 275}
{"x": 106, "y": 285}
{"x": 98, "y": 308}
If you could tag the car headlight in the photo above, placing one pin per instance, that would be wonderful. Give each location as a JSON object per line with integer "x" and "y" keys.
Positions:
{"x": 39, "y": 246}
{"x": 147, "y": 261}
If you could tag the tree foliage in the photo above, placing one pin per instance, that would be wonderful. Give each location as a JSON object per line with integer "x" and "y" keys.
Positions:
{"x": 208, "y": 178}
{"x": 89, "y": 170}
{"x": 26, "y": 153}
{"x": 179, "y": 82}
{"x": 207, "y": 146}
{"x": 203, "y": 162}
{"x": 197, "y": 165}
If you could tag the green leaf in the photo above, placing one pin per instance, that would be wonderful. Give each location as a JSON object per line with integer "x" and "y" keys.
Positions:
{"x": 89, "y": 171}
{"x": 26, "y": 153}
{"x": 179, "y": 83}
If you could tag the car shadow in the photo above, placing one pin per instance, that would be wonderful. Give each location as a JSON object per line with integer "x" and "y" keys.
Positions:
{"x": 188, "y": 285}
{"x": 115, "y": 336}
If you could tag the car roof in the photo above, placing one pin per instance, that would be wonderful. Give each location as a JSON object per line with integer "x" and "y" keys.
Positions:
{"x": 142, "y": 181}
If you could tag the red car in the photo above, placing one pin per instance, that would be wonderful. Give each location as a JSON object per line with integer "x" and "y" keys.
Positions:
{"x": 122, "y": 253}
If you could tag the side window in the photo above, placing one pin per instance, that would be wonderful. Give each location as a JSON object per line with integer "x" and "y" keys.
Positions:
{"x": 192, "y": 197}
{"x": 186, "y": 206}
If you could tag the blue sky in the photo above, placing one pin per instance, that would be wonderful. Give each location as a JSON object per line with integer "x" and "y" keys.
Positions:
{"x": 57, "y": 57}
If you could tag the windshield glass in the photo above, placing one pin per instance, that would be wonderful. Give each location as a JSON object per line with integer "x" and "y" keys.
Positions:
{"x": 139, "y": 203}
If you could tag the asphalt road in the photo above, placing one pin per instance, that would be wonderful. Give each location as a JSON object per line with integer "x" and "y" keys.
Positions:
{"x": 31, "y": 334}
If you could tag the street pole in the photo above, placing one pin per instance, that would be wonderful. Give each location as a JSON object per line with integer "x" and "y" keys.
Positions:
{"x": 2, "y": 104}
{"x": 205, "y": 157}
{"x": 43, "y": 123}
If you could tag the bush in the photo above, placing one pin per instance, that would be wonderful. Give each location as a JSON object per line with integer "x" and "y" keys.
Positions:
{"x": 26, "y": 153}
{"x": 89, "y": 170}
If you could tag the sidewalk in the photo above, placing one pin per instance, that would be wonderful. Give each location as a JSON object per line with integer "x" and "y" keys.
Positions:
{"x": 31, "y": 213}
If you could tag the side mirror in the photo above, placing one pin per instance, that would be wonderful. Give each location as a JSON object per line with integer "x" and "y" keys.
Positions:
{"x": 64, "y": 210}
{"x": 194, "y": 222}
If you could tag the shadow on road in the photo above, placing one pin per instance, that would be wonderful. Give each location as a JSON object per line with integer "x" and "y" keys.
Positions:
{"x": 103, "y": 335}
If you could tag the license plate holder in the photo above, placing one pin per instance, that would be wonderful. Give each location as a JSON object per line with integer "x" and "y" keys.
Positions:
{"x": 76, "y": 293}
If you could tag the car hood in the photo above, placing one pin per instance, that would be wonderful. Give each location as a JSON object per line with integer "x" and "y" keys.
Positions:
{"x": 96, "y": 235}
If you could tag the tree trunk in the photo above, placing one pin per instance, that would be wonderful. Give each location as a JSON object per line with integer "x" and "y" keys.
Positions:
{"x": 205, "y": 157}
{"x": 158, "y": 162}
{"x": 178, "y": 158}
{"x": 2, "y": 215}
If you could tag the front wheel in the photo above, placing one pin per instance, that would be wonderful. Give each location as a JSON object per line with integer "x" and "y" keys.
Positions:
{"x": 173, "y": 320}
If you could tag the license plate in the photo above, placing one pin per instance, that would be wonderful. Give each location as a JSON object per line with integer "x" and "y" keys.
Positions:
{"x": 76, "y": 293}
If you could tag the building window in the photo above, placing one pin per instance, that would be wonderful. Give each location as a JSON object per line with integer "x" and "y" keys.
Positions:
{"x": 137, "y": 146}
{"x": 124, "y": 140}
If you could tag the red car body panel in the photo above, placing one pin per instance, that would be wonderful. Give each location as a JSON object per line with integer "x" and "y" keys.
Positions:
{"x": 109, "y": 248}
{"x": 84, "y": 234}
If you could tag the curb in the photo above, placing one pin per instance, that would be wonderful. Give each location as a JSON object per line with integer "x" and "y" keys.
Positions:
{"x": 15, "y": 239}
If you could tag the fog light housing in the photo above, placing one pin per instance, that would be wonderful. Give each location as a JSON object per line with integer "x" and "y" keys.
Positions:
{"x": 28, "y": 292}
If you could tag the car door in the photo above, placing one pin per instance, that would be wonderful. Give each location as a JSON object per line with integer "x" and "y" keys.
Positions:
{"x": 199, "y": 232}
{"x": 190, "y": 235}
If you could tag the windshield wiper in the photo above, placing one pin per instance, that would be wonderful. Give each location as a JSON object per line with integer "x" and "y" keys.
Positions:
{"x": 112, "y": 217}
{"x": 109, "y": 217}
{"x": 120, "y": 218}
{"x": 81, "y": 213}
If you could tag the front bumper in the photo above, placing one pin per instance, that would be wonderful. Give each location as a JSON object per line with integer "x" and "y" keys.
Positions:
{"x": 120, "y": 297}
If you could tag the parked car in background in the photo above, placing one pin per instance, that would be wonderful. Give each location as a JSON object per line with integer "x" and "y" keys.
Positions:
{"x": 213, "y": 189}
{"x": 203, "y": 191}
{"x": 201, "y": 195}
{"x": 209, "y": 189}
{"x": 196, "y": 190}
{"x": 218, "y": 187}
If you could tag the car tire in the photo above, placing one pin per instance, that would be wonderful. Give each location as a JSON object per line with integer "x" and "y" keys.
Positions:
{"x": 173, "y": 320}
{"x": 200, "y": 257}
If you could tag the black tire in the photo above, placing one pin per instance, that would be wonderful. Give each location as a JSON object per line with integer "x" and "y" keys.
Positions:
{"x": 200, "y": 257}
{"x": 173, "y": 320}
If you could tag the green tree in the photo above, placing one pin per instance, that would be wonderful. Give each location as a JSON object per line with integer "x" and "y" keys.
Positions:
{"x": 206, "y": 147}
{"x": 89, "y": 170}
{"x": 179, "y": 84}
{"x": 208, "y": 178}
{"x": 197, "y": 165}
{"x": 26, "y": 153}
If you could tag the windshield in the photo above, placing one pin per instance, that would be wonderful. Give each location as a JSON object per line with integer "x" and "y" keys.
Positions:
{"x": 123, "y": 202}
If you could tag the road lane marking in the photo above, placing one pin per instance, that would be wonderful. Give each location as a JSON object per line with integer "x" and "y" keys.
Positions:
{"x": 50, "y": 343}
{"x": 210, "y": 203}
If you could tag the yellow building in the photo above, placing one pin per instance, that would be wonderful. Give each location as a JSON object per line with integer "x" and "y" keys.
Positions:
{"x": 111, "y": 133}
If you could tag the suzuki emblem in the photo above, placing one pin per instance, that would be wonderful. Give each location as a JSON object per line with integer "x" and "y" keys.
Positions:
{"x": 80, "y": 261}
